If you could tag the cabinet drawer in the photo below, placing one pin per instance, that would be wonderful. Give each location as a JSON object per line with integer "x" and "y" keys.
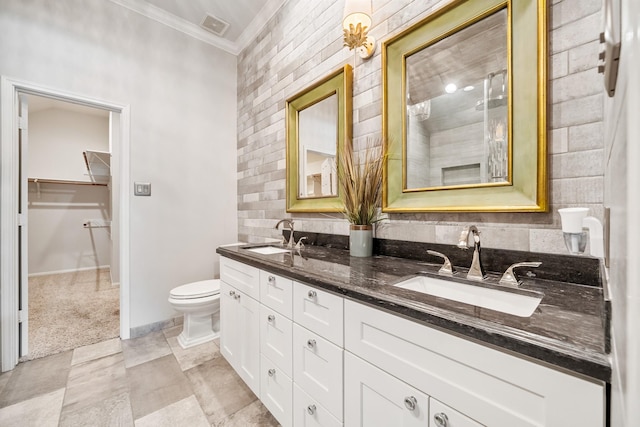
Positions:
{"x": 375, "y": 398}
{"x": 319, "y": 311}
{"x": 241, "y": 276}
{"x": 317, "y": 369}
{"x": 308, "y": 412}
{"x": 276, "y": 391}
{"x": 276, "y": 292}
{"x": 443, "y": 416}
{"x": 490, "y": 386}
{"x": 276, "y": 339}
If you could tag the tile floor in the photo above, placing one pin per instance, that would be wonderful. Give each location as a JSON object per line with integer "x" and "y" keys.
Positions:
{"x": 144, "y": 382}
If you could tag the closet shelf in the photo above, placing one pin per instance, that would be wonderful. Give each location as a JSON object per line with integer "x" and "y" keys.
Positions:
{"x": 98, "y": 165}
{"x": 64, "y": 181}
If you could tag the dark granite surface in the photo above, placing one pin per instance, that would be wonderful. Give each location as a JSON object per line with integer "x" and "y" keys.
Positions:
{"x": 567, "y": 330}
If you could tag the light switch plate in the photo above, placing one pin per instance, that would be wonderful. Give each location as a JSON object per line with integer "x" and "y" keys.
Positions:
{"x": 141, "y": 189}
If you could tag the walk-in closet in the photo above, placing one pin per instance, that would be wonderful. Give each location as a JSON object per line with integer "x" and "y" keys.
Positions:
{"x": 73, "y": 278}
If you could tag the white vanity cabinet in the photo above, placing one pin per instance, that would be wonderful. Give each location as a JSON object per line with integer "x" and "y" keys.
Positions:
{"x": 318, "y": 332}
{"x": 308, "y": 412}
{"x": 480, "y": 385}
{"x": 239, "y": 333}
{"x": 239, "y": 316}
{"x": 440, "y": 415}
{"x": 276, "y": 352}
{"x": 318, "y": 359}
{"x": 319, "y": 311}
{"x": 375, "y": 398}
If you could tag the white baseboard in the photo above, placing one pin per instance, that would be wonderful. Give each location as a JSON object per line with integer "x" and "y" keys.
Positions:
{"x": 71, "y": 270}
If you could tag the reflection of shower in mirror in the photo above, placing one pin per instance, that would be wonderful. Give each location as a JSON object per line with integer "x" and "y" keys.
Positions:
{"x": 489, "y": 100}
{"x": 494, "y": 104}
{"x": 420, "y": 110}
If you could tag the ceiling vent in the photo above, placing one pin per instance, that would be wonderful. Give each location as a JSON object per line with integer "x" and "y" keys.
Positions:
{"x": 216, "y": 25}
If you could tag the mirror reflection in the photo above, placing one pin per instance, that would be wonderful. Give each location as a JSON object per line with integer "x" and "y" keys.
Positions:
{"x": 317, "y": 145}
{"x": 457, "y": 109}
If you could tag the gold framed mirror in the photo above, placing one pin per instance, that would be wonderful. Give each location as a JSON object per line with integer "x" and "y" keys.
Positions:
{"x": 464, "y": 110}
{"x": 318, "y": 124}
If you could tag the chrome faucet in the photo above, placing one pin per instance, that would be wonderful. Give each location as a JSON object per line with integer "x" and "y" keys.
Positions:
{"x": 476, "y": 271}
{"x": 291, "y": 242}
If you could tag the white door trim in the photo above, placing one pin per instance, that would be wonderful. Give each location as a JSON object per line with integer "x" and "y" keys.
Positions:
{"x": 9, "y": 176}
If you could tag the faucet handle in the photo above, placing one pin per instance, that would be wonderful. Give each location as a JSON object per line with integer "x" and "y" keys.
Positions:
{"x": 446, "y": 269}
{"x": 300, "y": 245}
{"x": 509, "y": 277}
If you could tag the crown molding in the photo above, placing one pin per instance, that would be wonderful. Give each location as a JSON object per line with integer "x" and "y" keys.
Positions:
{"x": 259, "y": 22}
{"x": 179, "y": 24}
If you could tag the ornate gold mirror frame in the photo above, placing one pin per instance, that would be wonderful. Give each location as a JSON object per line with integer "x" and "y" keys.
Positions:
{"x": 525, "y": 190}
{"x": 336, "y": 87}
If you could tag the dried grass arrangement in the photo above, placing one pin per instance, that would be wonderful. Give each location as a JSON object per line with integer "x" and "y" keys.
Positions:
{"x": 361, "y": 183}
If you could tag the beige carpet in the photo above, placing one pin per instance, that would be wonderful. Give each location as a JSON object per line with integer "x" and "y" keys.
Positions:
{"x": 70, "y": 310}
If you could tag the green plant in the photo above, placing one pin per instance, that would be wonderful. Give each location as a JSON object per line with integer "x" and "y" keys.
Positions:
{"x": 361, "y": 183}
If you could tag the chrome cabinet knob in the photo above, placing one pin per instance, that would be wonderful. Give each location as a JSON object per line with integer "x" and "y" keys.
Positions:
{"x": 232, "y": 293}
{"x": 441, "y": 419}
{"x": 271, "y": 372}
{"x": 312, "y": 294}
{"x": 237, "y": 296}
{"x": 272, "y": 280}
{"x": 311, "y": 343}
{"x": 311, "y": 409}
{"x": 271, "y": 318}
{"x": 410, "y": 402}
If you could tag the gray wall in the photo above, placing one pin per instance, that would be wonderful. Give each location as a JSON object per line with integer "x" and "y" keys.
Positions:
{"x": 303, "y": 43}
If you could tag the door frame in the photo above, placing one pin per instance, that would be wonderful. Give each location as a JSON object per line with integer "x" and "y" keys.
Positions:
{"x": 9, "y": 198}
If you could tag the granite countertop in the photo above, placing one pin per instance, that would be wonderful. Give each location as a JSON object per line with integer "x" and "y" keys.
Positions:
{"x": 568, "y": 330}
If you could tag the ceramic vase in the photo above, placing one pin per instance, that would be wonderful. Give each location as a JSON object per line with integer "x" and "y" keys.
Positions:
{"x": 361, "y": 240}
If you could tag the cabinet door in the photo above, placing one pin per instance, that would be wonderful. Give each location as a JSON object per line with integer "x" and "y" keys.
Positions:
{"x": 248, "y": 335}
{"x": 490, "y": 386}
{"x": 276, "y": 292}
{"x": 276, "y": 391}
{"x": 308, "y": 412}
{"x": 374, "y": 398}
{"x": 276, "y": 338}
{"x": 228, "y": 324}
{"x": 319, "y": 311}
{"x": 244, "y": 278}
{"x": 444, "y": 416}
{"x": 317, "y": 369}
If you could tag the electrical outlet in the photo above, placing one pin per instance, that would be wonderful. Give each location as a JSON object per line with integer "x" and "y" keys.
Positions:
{"x": 141, "y": 189}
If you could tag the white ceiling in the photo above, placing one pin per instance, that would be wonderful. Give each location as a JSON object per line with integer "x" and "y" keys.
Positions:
{"x": 245, "y": 18}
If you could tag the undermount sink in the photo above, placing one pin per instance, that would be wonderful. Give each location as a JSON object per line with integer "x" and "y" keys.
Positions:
{"x": 267, "y": 250}
{"x": 505, "y": 301}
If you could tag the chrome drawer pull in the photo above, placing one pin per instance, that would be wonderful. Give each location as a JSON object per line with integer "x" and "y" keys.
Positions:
{"x": 271, "y": 372}
{"x": 441, "y": 419}
{"x": 237, "y": 296}
{"x": 232, "y": 293}
{"x": 311, "y": 343}
{"x": 410, "y": 402}
{"x": 271, "y": 318}
{"x": 272, "y": 280}
{"x": 312, "y": 294}
{"x": 311, "y": 409}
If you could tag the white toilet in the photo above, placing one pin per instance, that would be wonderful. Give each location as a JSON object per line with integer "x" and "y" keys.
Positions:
{"x": 200, "y": 303}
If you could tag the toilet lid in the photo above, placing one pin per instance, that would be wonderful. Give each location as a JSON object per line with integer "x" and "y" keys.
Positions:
{"x": 200, "y": 289}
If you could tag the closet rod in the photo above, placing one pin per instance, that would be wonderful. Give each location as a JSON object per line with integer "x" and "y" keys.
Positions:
{"x": 63, "y": 181}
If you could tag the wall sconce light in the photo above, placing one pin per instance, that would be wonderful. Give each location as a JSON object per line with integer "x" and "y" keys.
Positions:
{"x": 356, "y": 23}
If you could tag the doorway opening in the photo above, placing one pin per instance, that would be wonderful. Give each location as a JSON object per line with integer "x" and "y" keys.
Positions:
{"x": 14, "y": 211}
{"x": 73, "y": 275}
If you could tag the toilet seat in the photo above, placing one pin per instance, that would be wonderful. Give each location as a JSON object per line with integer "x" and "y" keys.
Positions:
{"x": 201, "y": 289}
